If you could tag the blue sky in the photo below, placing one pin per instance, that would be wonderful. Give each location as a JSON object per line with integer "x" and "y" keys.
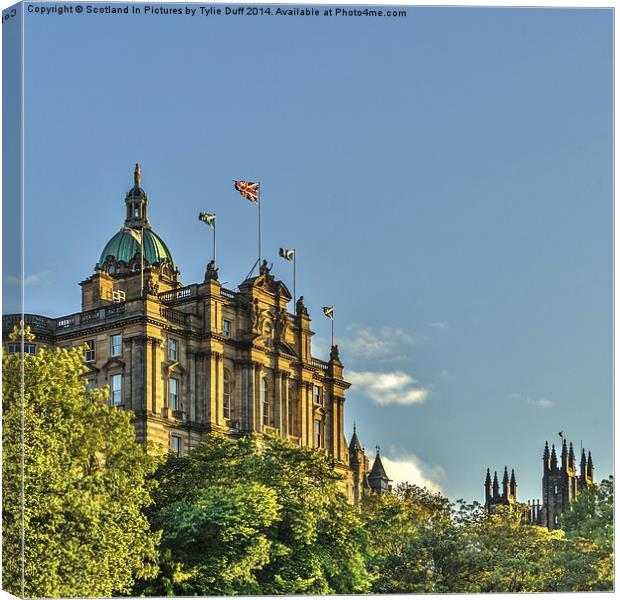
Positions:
{"x": 446, "y": 178}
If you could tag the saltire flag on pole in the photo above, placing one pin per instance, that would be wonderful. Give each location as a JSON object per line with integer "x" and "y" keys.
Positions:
{"x": 329, "y": 312}
{"x": 287, "y": 254}
{"x": 207, "y": 218}
{"x": 133, "y": 233}
{"x": 248, "y": 190}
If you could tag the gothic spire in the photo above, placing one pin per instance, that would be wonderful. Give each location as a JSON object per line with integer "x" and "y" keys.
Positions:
{"x": 495, "y": 485}
{"x": 546, "y": 452}
{"x": 571, "y": 456}
{"x": 487, "y": 481}
{"x": 505, "y": 483}
{"x": 554, "y": 458}
{"x": 513, "y": 485}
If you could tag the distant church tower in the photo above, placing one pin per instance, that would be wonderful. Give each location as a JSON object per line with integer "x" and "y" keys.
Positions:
{"x": 560, "y": 482}
{"x": 560, "y": 485}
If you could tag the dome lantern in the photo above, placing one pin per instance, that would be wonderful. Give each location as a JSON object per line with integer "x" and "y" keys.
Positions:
{"x": 137, "y": 201}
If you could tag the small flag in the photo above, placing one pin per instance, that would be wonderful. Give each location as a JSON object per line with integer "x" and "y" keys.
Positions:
{"x": 133, "y": 233}
{"x": 248, "y": 190}
{"x": 287, "y": 253}
{"x": 329, "y": 312}
{"x": 207, "y": 218}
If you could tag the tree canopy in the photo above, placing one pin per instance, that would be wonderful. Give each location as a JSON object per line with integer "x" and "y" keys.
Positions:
{"x": 85, "y": 483}
{"x": 255, "y": 516}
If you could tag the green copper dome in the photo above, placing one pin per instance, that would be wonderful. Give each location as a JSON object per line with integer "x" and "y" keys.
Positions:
{"x": 124, "y": 247}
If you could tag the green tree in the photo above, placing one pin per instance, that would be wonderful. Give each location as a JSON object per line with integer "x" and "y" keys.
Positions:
{"x": 587, "y": 558}
{"x": 415, "y": 543}
{"x": 515, "y": 556}
{"x": 255, "y": 516}
{"x": 85, "y": 483}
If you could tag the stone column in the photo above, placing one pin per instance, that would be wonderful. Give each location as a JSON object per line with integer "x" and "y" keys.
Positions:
{"x": 258, "y": 405}
{"x": 190, "y": 405}
{"x": 286, "y": 427}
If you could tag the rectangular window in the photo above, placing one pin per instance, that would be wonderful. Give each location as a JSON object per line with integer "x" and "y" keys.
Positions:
{"x": 30, "y": 348}
{"x": 14, "y": 348}
{"x": 317, "y": 434}
{"x": 227, "y": 328}
{"x": 173, "y": 393}
{"x": 115, "y": 386}
{"x": 317, "y": 392}
{"x": 173, "y": 349}
{"x": 176, "y": 444}
{"x": 90, "y": 384}
{"x": 89, "y": 353}
{"x": 116, "y": 345}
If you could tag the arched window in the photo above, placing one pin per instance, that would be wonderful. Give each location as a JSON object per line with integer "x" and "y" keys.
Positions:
{"x": 264, "y": 398}
{"x": 227, "y": 385}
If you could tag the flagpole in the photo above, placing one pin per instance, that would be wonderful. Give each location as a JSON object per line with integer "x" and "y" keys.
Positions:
{"x": 294, "y": 277}
{"x": 214, "y": 246}
{"x": 332, "y": 332}
{"x": 260, "y": 230}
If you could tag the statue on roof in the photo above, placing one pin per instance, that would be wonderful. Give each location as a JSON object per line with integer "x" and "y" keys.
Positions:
{"x": 137, "y": 175}
{"x": 264, "y": 269}
{"x": 300, "y": 307}
{"x": 211, "y": 272}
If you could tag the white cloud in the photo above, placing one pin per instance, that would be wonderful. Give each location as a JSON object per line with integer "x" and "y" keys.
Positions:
{"x": 28, "y": 280}
{"x": 388, "y": 388}
{"x": 369, "y": 342}
{"x": 412, "y": 470}
{"x": 540, "y": 403}
{"x": 438, "y": 324}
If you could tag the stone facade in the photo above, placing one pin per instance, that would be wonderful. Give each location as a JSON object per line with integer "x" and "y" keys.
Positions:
{"x": 189, "y": 360}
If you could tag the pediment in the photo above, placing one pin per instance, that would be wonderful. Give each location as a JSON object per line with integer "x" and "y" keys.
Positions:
{"x": 113, "y": 362}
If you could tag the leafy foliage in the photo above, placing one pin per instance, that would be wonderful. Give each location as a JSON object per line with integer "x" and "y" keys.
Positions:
{"x": 588, "y": 555}
{"x": 255, "y": 516}
{"x": 85, "y": 483}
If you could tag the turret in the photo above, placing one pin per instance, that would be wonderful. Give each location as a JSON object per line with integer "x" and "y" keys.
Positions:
{"x": 505, "y": 484}
{"x": 571, "y": 457}
{"x": 378, "y": 479}
{"x": 495, "y": 486}
{"x": 513, "y": 485}
{"x": 583, "y": 465}
{"x": 554, "y": 459}
{"x": 590, "y": 468}
{"x": 564, "y": 455}
{"x": 354, "y": 448}
{"x": 488, "y": 487}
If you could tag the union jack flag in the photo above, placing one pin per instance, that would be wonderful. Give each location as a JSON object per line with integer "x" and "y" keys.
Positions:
{"x": 248, "y": 190}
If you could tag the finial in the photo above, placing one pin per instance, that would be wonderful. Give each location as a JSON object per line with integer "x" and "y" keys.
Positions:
{"x": 378, "y": 448}
{"x": 354, "y": 427}
{"x": 137, "y": 175}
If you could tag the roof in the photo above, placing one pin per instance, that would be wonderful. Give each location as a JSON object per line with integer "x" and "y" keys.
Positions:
{"x": 354, "y": 444}
{"x": 377, "y": 471}
{"x": 123, "y": 247}
{"x": 136, "y": 192}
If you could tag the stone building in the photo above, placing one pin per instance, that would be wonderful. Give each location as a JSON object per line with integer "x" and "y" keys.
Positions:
{"x": 200, "y": 358}
{"x": 560, "y": 485}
